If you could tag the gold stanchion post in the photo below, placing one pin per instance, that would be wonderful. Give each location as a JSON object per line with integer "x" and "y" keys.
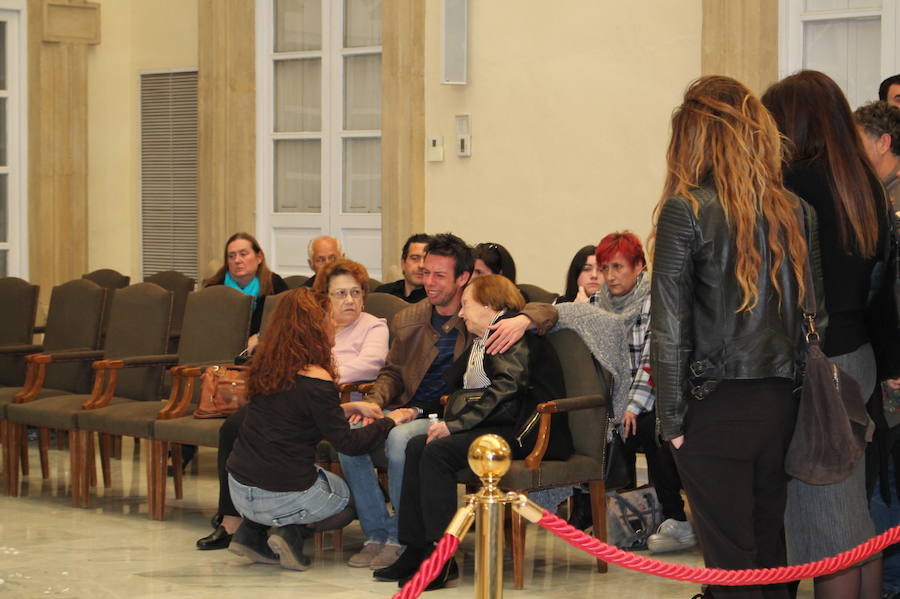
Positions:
{"x": 489, "y": 459}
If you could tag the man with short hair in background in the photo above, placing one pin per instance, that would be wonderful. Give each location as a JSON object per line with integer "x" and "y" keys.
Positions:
{"x": 322, "y": 251}
{"x": 409, "y": 288}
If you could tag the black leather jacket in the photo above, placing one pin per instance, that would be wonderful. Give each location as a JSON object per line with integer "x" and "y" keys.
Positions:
{"x": 697, "y": 336}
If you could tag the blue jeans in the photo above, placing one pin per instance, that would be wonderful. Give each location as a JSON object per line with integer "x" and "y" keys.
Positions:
{"x": 885, "y": 517}
{"x": 377, "y": 524}
{"x": 326, "y": 497}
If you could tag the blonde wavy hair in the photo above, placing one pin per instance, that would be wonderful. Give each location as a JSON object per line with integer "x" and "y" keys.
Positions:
{"x": 722, "y": 134}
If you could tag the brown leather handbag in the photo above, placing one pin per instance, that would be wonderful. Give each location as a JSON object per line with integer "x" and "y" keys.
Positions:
{"x": 223, "y": 391}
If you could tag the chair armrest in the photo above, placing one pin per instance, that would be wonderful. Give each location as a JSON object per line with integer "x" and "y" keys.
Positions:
{"x": 19, "y": 349}
{"x": 37, "y": 365}
{"x": 366, "y": 387}
{"x": 40, "y": 329}
{"x": 107, "y": 374}
{"x": 570, "y": 404}
{"x": 184, "y": 378}
{"x": 546, "y": 410}
{"x": 74, "y": 355}
{"x": 345, "y": 389}
{"x": 149, "y": 360}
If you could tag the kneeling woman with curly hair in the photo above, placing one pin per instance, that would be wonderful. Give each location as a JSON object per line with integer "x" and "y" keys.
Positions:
{"x": 294, "y": 404}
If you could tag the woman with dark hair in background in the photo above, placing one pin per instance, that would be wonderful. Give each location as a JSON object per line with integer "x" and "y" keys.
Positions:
{"x": 493, "y": 259}
{"x": 726, "y": 324}
{"x": 583, "y": 277}
{"x": 245, "y": 270}
{"x": 828, "y": 168}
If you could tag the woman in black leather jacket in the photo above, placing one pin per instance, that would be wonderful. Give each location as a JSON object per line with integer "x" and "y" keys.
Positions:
{"x": 494, "y": 393}
{"x": 726, "y": 323}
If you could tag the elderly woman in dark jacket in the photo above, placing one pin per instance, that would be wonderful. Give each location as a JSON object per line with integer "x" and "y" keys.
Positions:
{"x": 494, "y": 394}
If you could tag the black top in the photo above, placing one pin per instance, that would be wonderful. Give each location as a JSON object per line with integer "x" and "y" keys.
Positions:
{"x": 278, "y": 285}
{"x": 276, "y": 447}
{"x": 398, "y": 288}
{"x": 847, "y": 276}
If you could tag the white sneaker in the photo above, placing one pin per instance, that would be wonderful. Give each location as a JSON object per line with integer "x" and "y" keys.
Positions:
{"x": 672, "y": 535}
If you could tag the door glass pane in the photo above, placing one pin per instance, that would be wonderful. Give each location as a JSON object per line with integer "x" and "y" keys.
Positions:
{"x": 362, "y": 23}
{"x": 362, "y": 175}
{"x": 3, "y": 132}
{"x": 848, "y": 51}
{"x": 819, "y": 5}
{"x": 298, "y": 95}
{"x": 298, "y": 175}
{"x": 362, "y": 92}
{"x": 298, "y": 25}
{"x": 2, "y": 54}
{"x": 4, "y": 210}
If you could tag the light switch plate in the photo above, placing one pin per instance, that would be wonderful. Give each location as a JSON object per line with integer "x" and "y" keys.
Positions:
{"x": 434, "y": 149}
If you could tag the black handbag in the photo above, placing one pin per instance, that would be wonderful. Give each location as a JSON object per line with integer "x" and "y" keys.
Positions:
{"x": 832, "y": 426}
{"x": 617, "y": 474}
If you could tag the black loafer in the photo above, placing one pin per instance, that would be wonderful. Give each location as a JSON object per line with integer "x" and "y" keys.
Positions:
{"x": 404, "y": 568}
{"x": 219, "y": 539}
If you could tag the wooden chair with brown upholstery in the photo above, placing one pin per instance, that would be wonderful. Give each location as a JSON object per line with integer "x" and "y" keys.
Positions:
{"x": 18, "y": 308}
{"x": 108, "y": 278}
{"x": 137, "y": 335}
{"x": 180, "y": 285}
{"x": 203, "y": 341}
{"x": 533, "y": 293}
{"x": 295, "y": 281}
{"x": 73, "y": 328}
{"x": 587, "y": 388}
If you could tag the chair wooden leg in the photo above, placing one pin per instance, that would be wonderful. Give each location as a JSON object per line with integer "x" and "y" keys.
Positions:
{"x": 177, "y": 471}
{"x": 80, "y": 462}
{"x": 23, "y": 451}
{"x": 44, "y": 450}
{"x": 517, "y": 526}
{"x": 319, "y": 537}
{"x": 117, "y": 446}
{"x": 11, "y": 457}
{"x": 91, "y": 463}
{"x": 598, "y": 515}
{"x": 60, "y": 439}
{"x": 156, "y": 479}
{"x": 106, "y": 450}
{"x": 195, "y": 463}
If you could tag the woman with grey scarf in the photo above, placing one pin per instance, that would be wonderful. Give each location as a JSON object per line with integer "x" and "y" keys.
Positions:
{"x": 624, "y": 301}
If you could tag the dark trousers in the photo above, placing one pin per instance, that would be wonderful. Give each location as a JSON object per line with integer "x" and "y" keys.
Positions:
{"x": 732, "y": 467}
{"x": 428, "y": 500}
{"x": 228, "y": 434}
{"x": 660, "y": 464}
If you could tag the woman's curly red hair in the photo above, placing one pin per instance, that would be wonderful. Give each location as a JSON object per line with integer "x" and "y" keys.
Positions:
{"x": 299, "y": 334}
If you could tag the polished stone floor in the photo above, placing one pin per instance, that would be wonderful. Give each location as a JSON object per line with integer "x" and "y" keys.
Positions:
{"x": 111, "y": 549}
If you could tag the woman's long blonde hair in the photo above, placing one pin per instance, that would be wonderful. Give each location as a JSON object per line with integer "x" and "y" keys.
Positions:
{"x": 722, "y": 134}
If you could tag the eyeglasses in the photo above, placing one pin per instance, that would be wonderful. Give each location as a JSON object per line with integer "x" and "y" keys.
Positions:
{"x": 341, "y": 294}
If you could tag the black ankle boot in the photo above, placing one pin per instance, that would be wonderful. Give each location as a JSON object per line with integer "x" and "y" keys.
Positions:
{"x": 287, "y": 543}
{"x": 581, "y": 511}
{"x": 250, "y": 540}
{"x": 405, "y": 566}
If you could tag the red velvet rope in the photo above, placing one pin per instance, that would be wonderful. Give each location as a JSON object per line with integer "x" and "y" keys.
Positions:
{"x": 716, "y": 576}
{"x": 430, "y": 568}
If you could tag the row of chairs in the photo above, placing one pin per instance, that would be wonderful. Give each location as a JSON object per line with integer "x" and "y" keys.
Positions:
{"x": 125, "y": 398}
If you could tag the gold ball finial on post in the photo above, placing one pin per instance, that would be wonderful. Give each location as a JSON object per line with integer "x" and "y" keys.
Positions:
{"x": 490, "y": 458}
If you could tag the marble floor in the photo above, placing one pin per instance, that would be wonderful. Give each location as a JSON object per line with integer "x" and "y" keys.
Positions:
{"x": 111, "y": 550}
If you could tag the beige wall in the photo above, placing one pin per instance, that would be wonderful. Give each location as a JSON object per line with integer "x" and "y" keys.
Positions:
{"x": 570, "y": 113}
{"x": 137, "y": 35}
